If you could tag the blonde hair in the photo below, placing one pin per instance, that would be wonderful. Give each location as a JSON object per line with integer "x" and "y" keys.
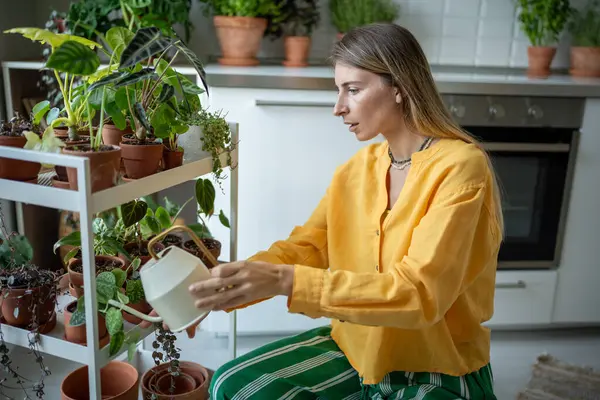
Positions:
{"x": 393, "y": 53}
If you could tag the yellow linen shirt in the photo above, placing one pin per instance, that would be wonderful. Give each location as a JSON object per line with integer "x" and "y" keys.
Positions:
{"x": 408, "y": 292}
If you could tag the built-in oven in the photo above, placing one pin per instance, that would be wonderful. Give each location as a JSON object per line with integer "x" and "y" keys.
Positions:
{"x": 532, "y": 143}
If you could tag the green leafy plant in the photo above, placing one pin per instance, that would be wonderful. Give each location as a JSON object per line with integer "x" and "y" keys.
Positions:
{"x": 543, "y": 20}
{"x": 74, "y": 56}
{"x": 584, "y": 25}
{"x": 147, "y": 88}
{"x": 205, "y": 197}
{"x": 110, "y": 298}
{"x": 348, "y": 14}
{"x": 299, "y": 17}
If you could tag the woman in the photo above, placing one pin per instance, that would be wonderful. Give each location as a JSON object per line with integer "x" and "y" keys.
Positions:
{"x": 400, "y": 253}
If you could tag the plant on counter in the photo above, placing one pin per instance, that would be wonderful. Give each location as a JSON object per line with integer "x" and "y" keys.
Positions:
{"x": 298, "y": 20}
{"x": 584, "y": 27}
{"x": 543, "y": 21}
{"x": 348, "y": 14}
{"x": 241, "y": 25}
{"x": 28, "y": 301}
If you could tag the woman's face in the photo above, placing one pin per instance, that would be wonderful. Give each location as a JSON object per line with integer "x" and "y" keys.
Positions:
{"x": 368, "y": 105}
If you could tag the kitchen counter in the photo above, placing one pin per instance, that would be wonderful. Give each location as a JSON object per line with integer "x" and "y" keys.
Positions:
{"x": 450, "y": 80}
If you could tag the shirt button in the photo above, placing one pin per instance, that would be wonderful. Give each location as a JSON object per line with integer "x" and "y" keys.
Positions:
{"x": 377, "y": 268}
{"x": 377, "y": 232}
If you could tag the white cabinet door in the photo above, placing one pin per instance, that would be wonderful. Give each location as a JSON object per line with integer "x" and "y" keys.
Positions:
{"x": 290, "y": 145}
{"x": 578, "y": 291}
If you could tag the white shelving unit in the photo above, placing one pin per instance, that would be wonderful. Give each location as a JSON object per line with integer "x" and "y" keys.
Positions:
{"x": 87, "y": 204}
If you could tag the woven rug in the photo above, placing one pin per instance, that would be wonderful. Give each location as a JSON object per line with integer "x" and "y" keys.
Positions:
{"x": 553, "y": 379}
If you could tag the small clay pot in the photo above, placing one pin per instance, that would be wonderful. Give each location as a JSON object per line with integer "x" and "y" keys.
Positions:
{"x": 141, "y": 160}
{"x": 172, "y": 159}
{"x": 77, "y": 334}
{"x": 182, "y": 384}
{"x": 200, "y": 374}
{"x": 118, "y": 381}
{"x": 112, "y": 135}
{"x": 213, "y": 245}
{"x": 104, "y": 165}
{"x": 296, "y": 51}
{"x": 585, "y": 62}
{"x": 142, "y": 307}
{"x": 57, "y": 183}
{"x": 13, "y": 169}
{"x": 540, "y": 59}
{"x": 76, "y": 278}
{"x": 239, "y": 39}
{"x": 144, "y": 258}
{"x": 16, "y": 304}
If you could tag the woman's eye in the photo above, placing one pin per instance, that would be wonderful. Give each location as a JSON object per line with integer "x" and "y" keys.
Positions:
{"x": 353, "y": 91}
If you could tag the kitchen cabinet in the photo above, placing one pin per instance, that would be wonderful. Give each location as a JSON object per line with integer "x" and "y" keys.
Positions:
{"x": 578, "y": 289}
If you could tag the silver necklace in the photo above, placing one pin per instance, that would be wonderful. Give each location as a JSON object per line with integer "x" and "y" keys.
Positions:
{"x": 403, "y": 164}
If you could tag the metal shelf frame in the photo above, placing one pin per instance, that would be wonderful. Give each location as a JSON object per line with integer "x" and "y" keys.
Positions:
{"x": 88, "y": 204}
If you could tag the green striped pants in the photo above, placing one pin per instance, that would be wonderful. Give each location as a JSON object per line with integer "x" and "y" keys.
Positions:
{"x": 311, "y": 366}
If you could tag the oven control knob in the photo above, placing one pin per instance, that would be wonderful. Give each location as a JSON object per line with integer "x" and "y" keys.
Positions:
{"x": 457, "y": 110}
{"x": 535, "y": 112}
{"x": 496, "y": 111}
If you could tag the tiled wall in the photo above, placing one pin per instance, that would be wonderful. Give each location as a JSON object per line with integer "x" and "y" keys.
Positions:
{"x": 455, "y": 32}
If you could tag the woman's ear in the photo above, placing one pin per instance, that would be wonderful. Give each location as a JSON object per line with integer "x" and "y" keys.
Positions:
{"x": 397, "y": 95}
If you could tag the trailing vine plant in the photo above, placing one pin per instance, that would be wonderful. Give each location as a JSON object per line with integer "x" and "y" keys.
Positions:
{"x": 165, "y": 351}
{"x": 17, "y": 272}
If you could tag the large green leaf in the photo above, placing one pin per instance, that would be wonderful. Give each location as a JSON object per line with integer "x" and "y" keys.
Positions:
{"x": 105, "y": 285}
{"x": 114, "y": 321}
{"x": 146, "y": 43}
{"x": 163, "y": 217}
{"x": 141, "y": 116}
{"x": 118, "y": 38}
{"x": 39, "y": 110}
{"x": 72, "y": 239}
{"x": 133, "y": 212}
{"x": 74, "y": 58}
{"x": 77, "y": 318}
{"x": 132, "y": 79}
{"x": 194, "y": 60}
{"x": 121, "y": 97}
{"x": 167, "y": 91}
{"x": 116, "y": 342}
{"x": 114, "y": 77}
{"x": 116, "y": 115}
{"x": 224, "y": 220}
{"x": 205, "y": 196}
{"x": 53, "y": 39}
{"x": 135, "y": 291}
{"x": 120, "y": 276}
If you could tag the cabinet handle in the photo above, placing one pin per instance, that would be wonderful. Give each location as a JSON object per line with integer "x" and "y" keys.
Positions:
{"x": 512, "y": 285}
{"x": 288, "y": 103}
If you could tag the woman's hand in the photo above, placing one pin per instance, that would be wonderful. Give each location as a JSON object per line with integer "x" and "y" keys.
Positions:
{"x": 241, "y": 282}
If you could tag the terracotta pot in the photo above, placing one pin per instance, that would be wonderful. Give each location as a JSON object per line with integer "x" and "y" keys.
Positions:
{"x": 118, "y": 381}
{"x": 182, "y": 384}
{"x": 213, "y": 245}
{"x": 22, "y": 300}
{"x": 585, "y": 62}
{"x": 239, "y": 38}
{"x": 77, "y": 334}
{"x": 76, "y": 278}
{"x": 141, "y": 160}
{"x": 129, "y": 247}
{"x": 60, "y": 170}
{"x": 142, "y": 307}
{"x": 172, "y": 159}
{"x": 200, "y": 375}
{"x": 104, "y": 166}
{"x": 296, "y": 51}
{"x": 112, "y": 135}
{"x": 17, "y": 170}
{"x": 61, "y": 184}
{"x": 540, "y": 59}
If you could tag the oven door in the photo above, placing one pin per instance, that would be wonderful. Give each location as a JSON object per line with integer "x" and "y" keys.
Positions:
{"x": 533, "y": 178}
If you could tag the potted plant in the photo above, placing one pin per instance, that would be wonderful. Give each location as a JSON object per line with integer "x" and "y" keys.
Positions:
{"x": 145, "y": 81}
{"x": 584, "y": 27}
{"x": 12, "y": 134}
{"x": 205, "y": 197}
{"x": 348, "y": 14}
{"x": 299, "y": 19}
{"x": 543, "y": 22}
{"x": 159, "y": 218}
{"x": 119, "y": 381}
{"x": 240, "y": 27}
{"x": 132, "y": 214}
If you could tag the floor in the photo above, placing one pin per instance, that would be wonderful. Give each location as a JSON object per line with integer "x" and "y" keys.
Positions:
{"x": 513, "y": 353}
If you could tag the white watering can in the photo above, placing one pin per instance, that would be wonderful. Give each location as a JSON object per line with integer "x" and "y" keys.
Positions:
{"x": 166, "y": 279}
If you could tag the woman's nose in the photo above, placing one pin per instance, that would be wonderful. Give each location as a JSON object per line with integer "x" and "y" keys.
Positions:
{"x": 339, "y": 109}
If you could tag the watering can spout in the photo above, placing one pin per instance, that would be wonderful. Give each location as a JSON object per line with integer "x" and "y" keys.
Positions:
{"x": 166, "y": 279}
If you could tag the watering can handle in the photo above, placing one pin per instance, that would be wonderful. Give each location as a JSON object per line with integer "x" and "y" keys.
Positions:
{"x": 134, "y": 312}
{"x": 211, "y": 259}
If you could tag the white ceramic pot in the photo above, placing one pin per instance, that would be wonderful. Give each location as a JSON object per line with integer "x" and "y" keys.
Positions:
{"x": 191, "y": 141}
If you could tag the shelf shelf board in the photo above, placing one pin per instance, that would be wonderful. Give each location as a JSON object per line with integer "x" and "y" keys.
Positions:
{"x": 54, "y": 343}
